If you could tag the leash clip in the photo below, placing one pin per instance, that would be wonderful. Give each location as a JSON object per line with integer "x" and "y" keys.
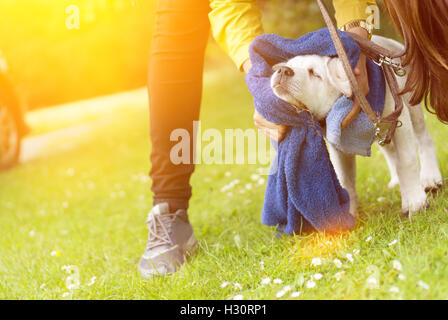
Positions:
{"x": 398, "y": 68}
{"x": 381, "y": 129}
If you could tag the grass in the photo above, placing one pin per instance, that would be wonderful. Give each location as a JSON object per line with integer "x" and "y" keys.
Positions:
{"x": 86, "y": 208}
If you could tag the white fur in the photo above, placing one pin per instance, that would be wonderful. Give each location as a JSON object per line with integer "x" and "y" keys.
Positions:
{"x": 319, "y": 81}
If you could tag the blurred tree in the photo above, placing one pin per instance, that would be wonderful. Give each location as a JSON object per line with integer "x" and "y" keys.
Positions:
{"x": 294, "y": 18}
{"x": 291, "y": 18}
{"x": 51, "y": 63}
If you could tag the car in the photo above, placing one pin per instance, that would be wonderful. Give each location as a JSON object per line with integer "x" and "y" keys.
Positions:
{"x": 12, "y": 124}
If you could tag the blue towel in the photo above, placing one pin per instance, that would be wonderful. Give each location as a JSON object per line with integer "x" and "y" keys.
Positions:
{"x": 304, "y": 192}
{"x": 358, "y": 136}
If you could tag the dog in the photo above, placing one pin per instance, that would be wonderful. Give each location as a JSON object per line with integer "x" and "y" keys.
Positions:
{"x": 299, "y": 80}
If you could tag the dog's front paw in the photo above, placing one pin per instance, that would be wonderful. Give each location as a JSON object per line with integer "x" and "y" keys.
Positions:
{"x": 416, "y": 203}
{"x": 354, "y": 204}
{"x": 431, "y": 179}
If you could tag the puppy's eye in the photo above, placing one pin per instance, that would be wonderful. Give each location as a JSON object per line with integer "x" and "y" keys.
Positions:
{"x": 313, "y": 74}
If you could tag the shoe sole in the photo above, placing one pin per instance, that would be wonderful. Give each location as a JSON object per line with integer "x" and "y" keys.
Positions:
{"x": 189, "y": 249}
{"x": 191, "y": 246}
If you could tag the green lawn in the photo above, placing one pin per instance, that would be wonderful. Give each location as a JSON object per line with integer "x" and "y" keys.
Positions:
{"x": 86, "y": 208}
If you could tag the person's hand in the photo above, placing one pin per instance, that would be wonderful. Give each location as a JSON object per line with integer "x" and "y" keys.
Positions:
{"x": 274, "y": 131}
{"x": 360, "y": 72}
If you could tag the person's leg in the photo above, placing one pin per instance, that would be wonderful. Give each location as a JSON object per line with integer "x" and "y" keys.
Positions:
{"x": 175, "y": 88}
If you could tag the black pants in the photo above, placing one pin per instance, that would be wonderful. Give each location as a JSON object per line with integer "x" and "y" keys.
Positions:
{"x": 175, "y": 88}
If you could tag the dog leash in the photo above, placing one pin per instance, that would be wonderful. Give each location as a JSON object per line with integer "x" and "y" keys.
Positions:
{"x": 384, "y": 126}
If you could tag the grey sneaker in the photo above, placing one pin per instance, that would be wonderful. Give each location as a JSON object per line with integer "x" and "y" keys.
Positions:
{"x": 170, "y": 241}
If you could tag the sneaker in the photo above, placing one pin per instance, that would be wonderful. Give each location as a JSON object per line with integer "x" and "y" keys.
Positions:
{"x": 170, "y": 241}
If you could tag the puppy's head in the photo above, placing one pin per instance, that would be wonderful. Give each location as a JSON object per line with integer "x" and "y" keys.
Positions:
{"x": 312, "y": 82}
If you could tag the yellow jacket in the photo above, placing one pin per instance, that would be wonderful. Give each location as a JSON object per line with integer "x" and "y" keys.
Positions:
{"x": 235, "y": 23}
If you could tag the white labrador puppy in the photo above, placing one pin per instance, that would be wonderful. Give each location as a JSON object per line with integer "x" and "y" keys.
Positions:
{"x": 317, "y": 82}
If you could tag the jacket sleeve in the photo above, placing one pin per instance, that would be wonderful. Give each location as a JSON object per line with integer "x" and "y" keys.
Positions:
{"x": 235, "y": 24}
{"x": 348, "y": 10}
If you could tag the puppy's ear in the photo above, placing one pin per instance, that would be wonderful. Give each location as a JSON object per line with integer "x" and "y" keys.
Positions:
{"x": 278, "y": 66}
{"x": 337, "y": 77}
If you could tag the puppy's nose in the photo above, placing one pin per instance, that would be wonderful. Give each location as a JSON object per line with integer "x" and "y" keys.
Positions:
{"x": 285, "y": 71}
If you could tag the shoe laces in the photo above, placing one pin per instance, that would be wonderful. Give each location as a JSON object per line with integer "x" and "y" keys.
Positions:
{"x": 159, "y": 227}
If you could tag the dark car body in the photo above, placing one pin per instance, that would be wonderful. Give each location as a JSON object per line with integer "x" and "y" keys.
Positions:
{"x": 12, "y": 124}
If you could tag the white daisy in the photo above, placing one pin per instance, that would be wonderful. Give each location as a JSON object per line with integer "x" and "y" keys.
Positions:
{"x": 339, "y": 275}
{"x": 55, "y": 253}
{"x": 396, "y": 265}
{"x": 225, "y": 284}
{"x": 316, "y": 262}
{"x": 422, "y": 284}
{"x": 393, "y": 242}
{"x": 92, "y": 281}
{"x": 230, "y": 185}
{"x": 337, "y": 263}
{"x": 295, "y": 294}
{"x": 72, "y": 287}
{"x": 238, "y": 297}
{"x": 237, "y": 285}
{"x": 278, "y": 281}
{"x": 394, "y": 289}
{"x": 401, "y": 277}
{"x": 266, "y": 281}
{"x": 287, "y": 288}
{"x": 317, "y": 276}
{"x": 372, "y": 282}
{"x": 368, "y": 238}
{"x": 310, "y": 284}
{"x": 280, "y": 294}
{"x": 349, "y": 257}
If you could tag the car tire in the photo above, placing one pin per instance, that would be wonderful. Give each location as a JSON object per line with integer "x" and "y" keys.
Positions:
{"x": 10, "y": 138}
